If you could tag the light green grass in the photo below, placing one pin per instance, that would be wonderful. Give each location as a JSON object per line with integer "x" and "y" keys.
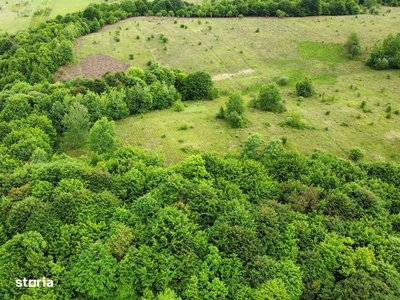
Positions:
{"x": 17, "y": 15}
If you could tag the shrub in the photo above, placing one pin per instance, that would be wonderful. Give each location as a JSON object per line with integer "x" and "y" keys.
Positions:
{"x": 235, "y": 103}
{"x": 236, "y": 120}
{"x": 305, "y": 87}
{"x": 221, "y": 113}
{"x": 352, "y": 45}
{"x": 294, "y": 121}
{"x": 280, "y": 13}
{"x": 178, "y": 106}
{"x": 356, "y": 154}
{"x": 269, "y": 98}
{"x": 284, "y": 80}
{"x": 183, "y": 126}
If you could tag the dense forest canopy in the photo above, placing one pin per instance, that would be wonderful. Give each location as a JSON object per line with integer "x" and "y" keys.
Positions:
{"x": 266, "y": 223}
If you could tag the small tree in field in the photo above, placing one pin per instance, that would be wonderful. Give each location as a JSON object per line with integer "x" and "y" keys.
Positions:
{"x": 305, "y": 87}
{"x": 234, "y": 110}
{"x": 356, "y": 154}
{"x": 235, "y": 103}
{"x": 352, "y": 45}
{"x": 269, "y": 98}
{"x": 102, "y": 136}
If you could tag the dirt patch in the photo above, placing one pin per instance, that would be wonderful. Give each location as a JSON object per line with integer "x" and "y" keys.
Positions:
{"x": 92, "y": 66}
{"x": 231, "y": 75}
{"x": 392, "y": 135}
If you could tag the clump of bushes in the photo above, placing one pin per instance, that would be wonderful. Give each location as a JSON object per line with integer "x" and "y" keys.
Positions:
{"x": 234, "y": 110}
{"x": 294, "y": 121}
{"x": 356, "y": 154}
{"x": 305, "y": 88}
{"x": 269, "y": 98}
{"x": 352, "y": 45}
{"x": 177, "y": 106}
{"x": 284, "y": 80}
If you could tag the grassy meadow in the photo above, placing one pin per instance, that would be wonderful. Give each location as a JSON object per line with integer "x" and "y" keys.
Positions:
{"x": 17, "y": 15}
{"x": 241, "y": 58}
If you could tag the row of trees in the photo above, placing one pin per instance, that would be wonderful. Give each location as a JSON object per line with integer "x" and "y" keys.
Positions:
{"x": 31, "y": 116}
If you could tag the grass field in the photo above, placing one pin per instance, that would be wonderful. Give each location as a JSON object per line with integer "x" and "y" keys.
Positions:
{"x": 292, "y": 47}
{"x": 17, "y": 15}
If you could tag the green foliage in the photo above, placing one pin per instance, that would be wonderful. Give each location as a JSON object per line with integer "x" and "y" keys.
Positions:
{"x": 269, "y": 98}
{"x": 356, "y": 154}
{"x": 265, "y": 225}
{"x": 251, "y": 147}
{"x": 76, "y": 122}
{"x": 94, "y": 274}
{"x": 234, "y": 110}
{"x": 177, "y": 106}
{"x": 198, "y": 86}
{"x": 235, "y": 103}
{"x": 352, "y": 45}
{"x": 102, "y": 136}
{"x": 282, "y": 81}
{"x": 294, "y": 121}
{"x": 305, "y": 87}
{"x": 385, "y": 54}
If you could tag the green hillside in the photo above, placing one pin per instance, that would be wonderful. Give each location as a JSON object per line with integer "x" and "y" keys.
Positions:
{"x": 240, "y": 58}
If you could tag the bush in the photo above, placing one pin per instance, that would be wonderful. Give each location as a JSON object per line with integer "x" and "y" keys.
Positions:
{"x": 236, "y": 120}
{"x": 294, "y": 121}
{"x": 221, "y": 113}
{"x": 284, "y": 80}
{"x": 356, "y": 154}
{"x": 178, "y": 106}
{"x": 280, "y": 13}
{"x": 198, "y": 86}
{"x": 235, "y": 103}
{"x": 270, "y": 97}
{"x": 184, "y": 126}
{"x": 305, "y": 87}
{"x": 352, "y": 45}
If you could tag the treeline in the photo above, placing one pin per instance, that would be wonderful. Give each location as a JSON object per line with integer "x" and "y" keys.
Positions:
{"x": 34, "y": 55}
{"x": 266, "y": 224}
{"x": 32, "y": 116}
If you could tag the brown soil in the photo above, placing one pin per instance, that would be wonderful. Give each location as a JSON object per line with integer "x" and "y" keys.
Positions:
{"x": 231, "y": 75}
{"x": 92, "y": 66}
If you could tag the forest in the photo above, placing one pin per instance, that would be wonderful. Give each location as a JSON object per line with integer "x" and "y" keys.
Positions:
{"x": 264, "y": 223}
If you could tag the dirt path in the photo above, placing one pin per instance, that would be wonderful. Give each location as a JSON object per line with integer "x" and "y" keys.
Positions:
{"x": 231, "y": 75}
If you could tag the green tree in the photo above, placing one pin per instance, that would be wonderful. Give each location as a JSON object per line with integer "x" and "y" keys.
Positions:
{"x": 234, "y": 110}
{"x": 272, "y": 289}
{"x": 76, "y": 122}
{"x": 102, "y": 136}
{"x": 94, "y": 274}
{"x": 269, "y": 98}
{"x": 235, "y": 103}
{"x": 198, "y": 86}
{"x": 352, "y": 45}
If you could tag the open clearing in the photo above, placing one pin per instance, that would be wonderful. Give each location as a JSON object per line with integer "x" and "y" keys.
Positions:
{"x": 93, "y": 66}
{"x": 292, "y": 47}
{"x": 17, "y": 15}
